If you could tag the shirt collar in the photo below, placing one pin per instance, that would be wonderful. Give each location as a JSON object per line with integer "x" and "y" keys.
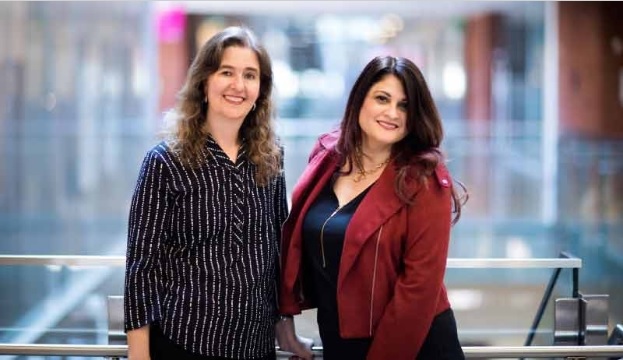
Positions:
{"x": 217, "y": 153}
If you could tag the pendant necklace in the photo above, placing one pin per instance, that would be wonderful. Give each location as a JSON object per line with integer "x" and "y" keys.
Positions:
{"x": 361, "y": 173}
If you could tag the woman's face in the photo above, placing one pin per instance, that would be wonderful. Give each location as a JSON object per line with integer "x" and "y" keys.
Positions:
{"x": 235, "y": 86}
{"x": 383, "y": 115}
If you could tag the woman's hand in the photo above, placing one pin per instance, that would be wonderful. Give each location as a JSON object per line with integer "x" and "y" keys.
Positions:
{"x": 138, "y": 344}
{"x": 290, "y": 342}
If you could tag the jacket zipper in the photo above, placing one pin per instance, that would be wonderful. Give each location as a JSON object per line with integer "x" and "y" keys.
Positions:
{"x": 324, "y": 261}
{"x": 376, "y": 257}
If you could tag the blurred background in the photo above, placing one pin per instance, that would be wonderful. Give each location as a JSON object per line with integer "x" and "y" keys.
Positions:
{"x": 530, "y": 93}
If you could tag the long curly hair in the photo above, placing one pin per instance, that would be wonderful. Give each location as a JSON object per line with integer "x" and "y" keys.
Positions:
{"x": 184, "y": 134}
{"x": 418, "y": 154}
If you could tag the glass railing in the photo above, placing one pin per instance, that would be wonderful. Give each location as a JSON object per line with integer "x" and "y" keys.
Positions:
{"x": 72, "y": 319}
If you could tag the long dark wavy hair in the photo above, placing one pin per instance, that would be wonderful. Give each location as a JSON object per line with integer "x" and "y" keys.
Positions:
{"x": 418, "y": 154}
{"x": 185, "y": 136}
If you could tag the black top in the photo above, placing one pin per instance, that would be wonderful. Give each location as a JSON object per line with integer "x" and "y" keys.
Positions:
{"x": 202, "y": 250}
{"x": 323, "y": 270}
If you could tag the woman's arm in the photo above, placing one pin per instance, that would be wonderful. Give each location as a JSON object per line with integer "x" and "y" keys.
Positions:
{"x": 138, "y": 344}
{"x": 288, "y": 293}
{"x": 407, "y": 318}
{"x": 284, "y": 325}
{"x": 289, "y": 341}
{"x": 148, "y": 214}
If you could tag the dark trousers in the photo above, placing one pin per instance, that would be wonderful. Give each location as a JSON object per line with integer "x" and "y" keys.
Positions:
{"x": 442, "y": 341}
{"x": 162, "y": 348}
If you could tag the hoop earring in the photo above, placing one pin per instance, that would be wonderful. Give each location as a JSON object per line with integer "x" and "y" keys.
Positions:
{"x": 253, "y": 107}
{"x": 205, "y": 100}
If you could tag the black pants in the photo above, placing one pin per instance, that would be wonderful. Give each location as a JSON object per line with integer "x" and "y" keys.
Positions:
{"x": 162, "y": 348}
{"x": 442, "y": 341}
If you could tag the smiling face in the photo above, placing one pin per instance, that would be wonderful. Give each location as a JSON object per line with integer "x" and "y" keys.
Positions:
{"x": 234, "y": 87}
{"x": 383, "y": 115}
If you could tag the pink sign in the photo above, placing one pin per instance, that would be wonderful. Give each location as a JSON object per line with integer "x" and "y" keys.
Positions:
{"x": 171, "y": 24}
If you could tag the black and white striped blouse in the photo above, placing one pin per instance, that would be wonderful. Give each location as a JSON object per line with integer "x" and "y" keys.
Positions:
{"x": 203, "y": 251}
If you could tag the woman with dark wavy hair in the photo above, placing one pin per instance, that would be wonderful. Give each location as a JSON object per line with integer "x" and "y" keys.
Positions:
{"x": 206, "y": 214}
{"x": 367, "y": 239}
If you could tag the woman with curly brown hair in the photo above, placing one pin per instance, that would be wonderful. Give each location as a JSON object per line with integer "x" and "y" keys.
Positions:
{"x": 205, "y": 219}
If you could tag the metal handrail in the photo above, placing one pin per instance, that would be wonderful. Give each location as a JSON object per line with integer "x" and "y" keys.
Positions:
{"x": 549, "y": 290}
{"x": 452, "y": 263}
{"x": 471, "y": 352}
{"x": 63, "y": 260}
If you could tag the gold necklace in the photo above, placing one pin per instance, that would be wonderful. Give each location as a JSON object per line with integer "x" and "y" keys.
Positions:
{"x": 361, "y": 173}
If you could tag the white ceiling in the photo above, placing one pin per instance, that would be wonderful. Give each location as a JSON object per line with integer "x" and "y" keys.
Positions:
{"x": 410, "y": 9}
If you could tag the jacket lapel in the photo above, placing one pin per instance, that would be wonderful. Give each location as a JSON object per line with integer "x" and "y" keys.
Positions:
{"x": 377, "y": 206}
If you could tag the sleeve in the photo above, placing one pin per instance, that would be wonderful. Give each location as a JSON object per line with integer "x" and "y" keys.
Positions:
{"x": 148, "y": 211}
{"x": 281, "y": 199}
{"x": 288, "y": 290}
{"x": 417, "y": 289}
{"x": 281, "y": 214}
